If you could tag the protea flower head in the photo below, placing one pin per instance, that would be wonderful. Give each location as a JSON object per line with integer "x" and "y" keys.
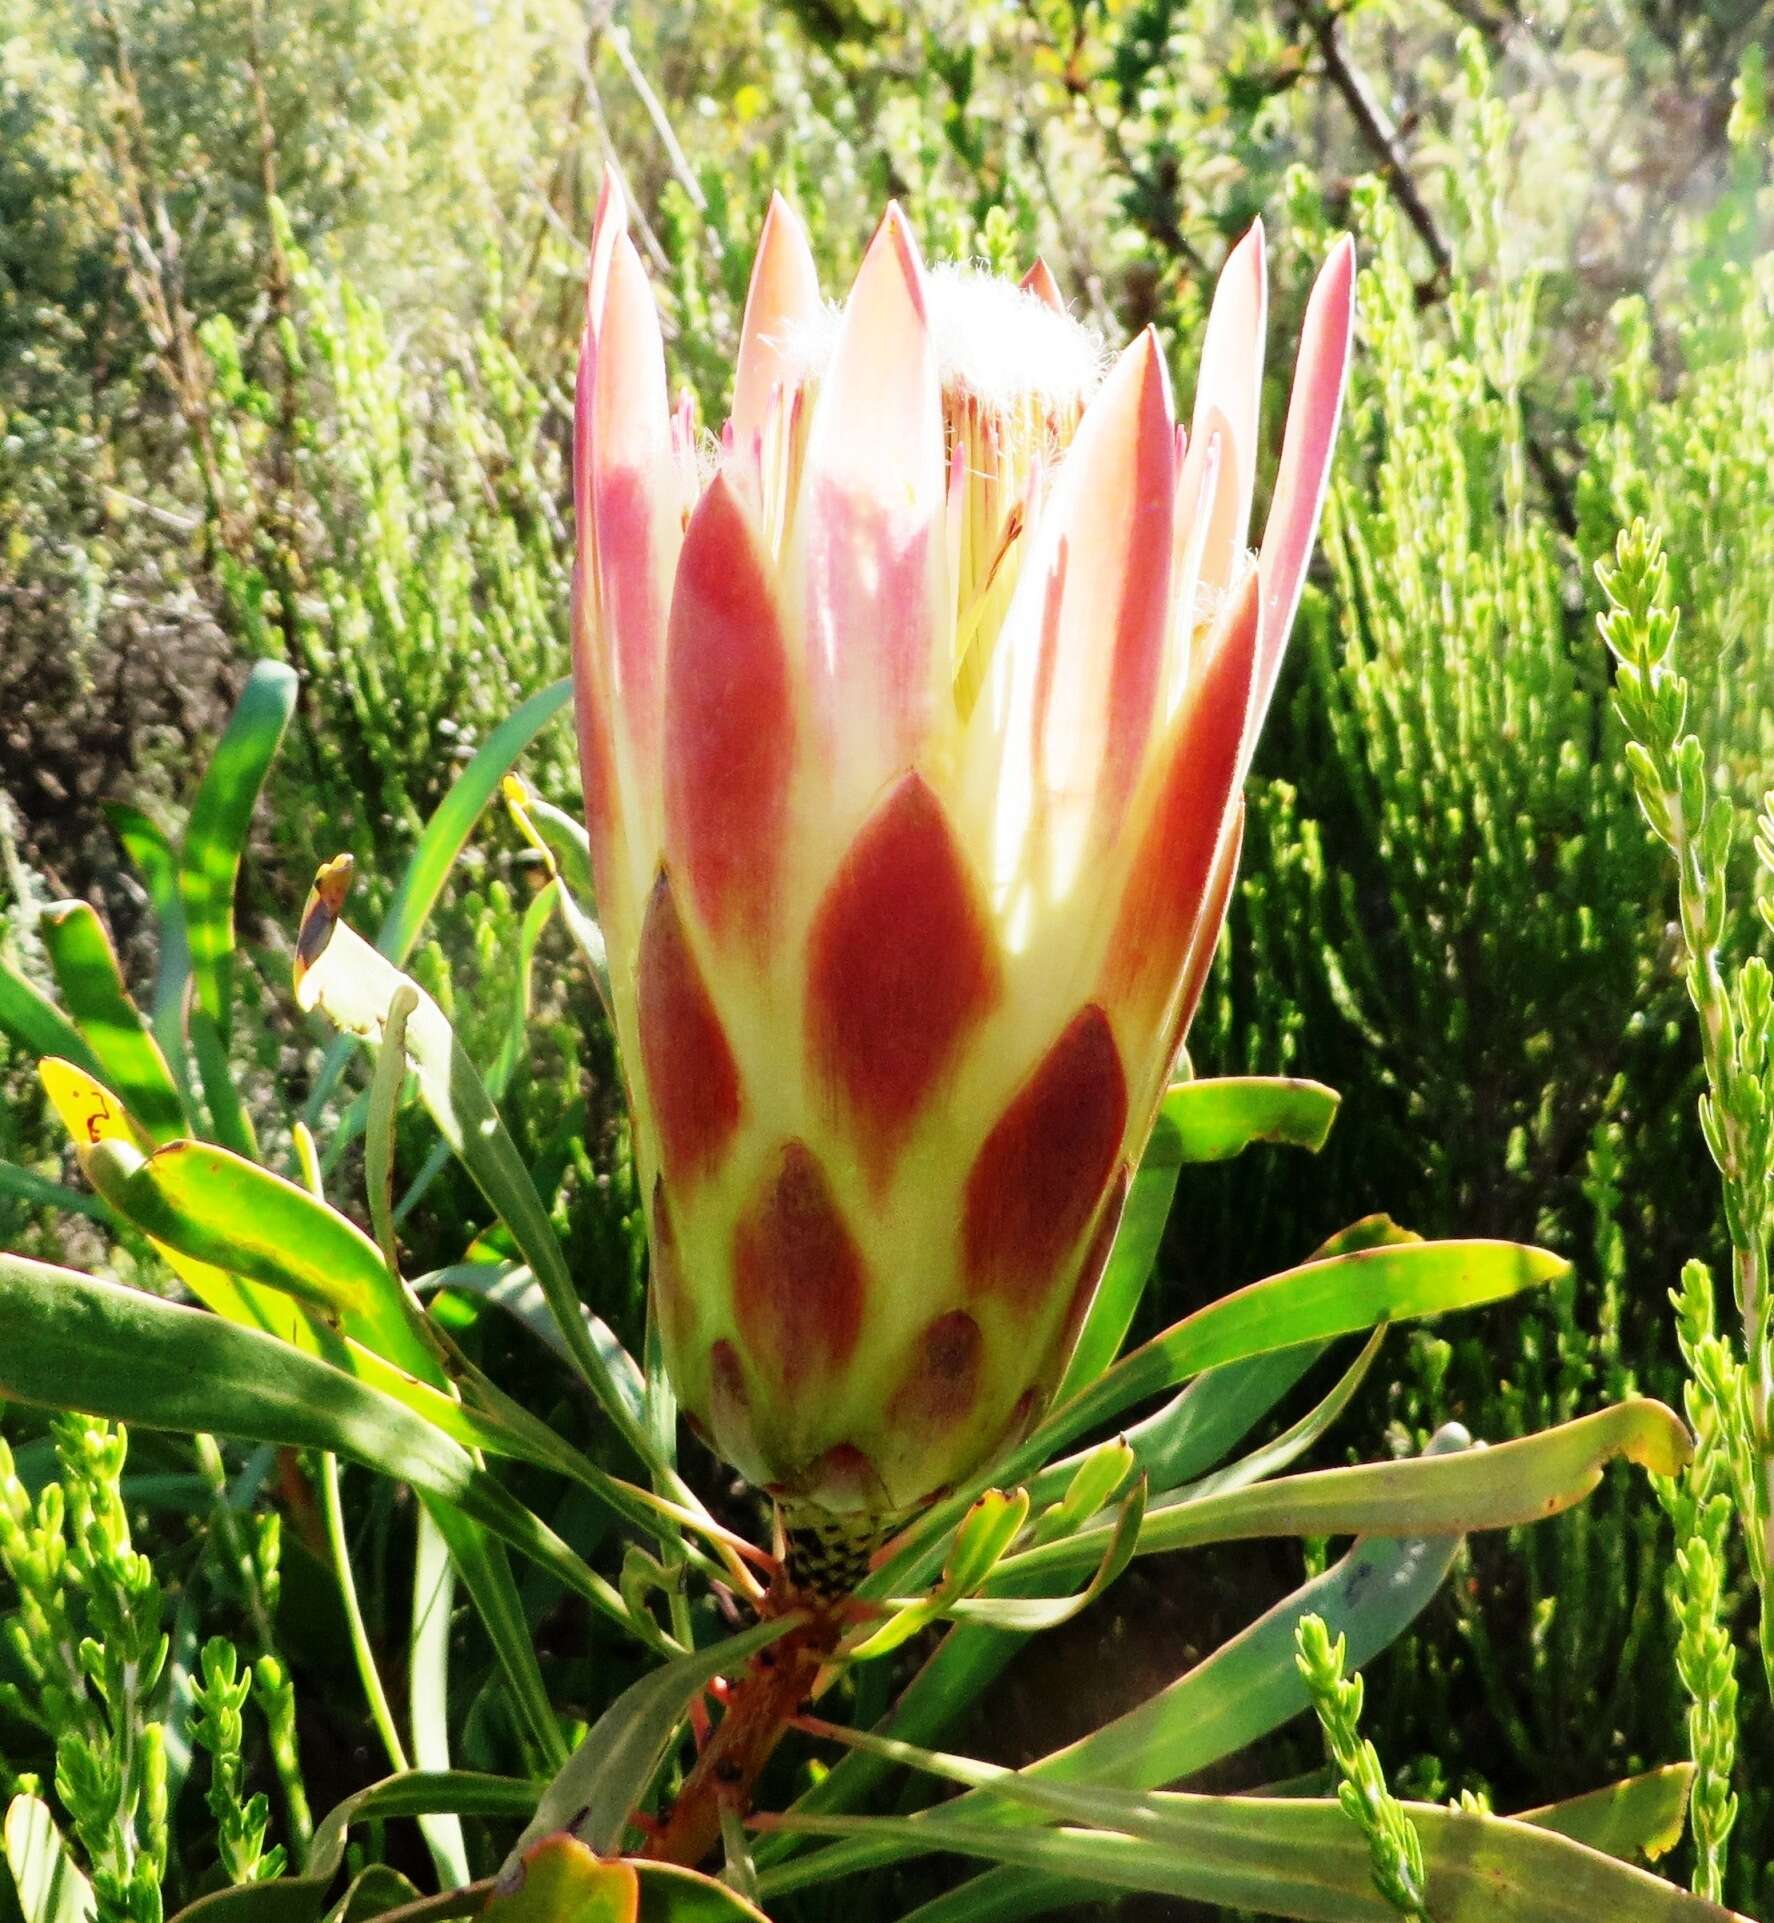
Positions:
{"x": 914, "y": 716}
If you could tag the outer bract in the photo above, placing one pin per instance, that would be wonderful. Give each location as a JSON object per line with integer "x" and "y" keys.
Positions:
{"x": 914, "y": 719}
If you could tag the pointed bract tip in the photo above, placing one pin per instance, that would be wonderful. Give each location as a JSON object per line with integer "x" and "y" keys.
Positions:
{"x": 1250, "y": 253}
{"x": 1336, "y": 278}
{"x": 781, "y": 212}
{"x": 1141, "y": 367}
{"x": 894, "y": 234}
{"x": 1040, "y": 282}
{"x": 610, "y": 220}
{"x": 612, "y": 203}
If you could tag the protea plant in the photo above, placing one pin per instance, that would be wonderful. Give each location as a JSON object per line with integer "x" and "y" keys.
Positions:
{"x": 914, "y": 715}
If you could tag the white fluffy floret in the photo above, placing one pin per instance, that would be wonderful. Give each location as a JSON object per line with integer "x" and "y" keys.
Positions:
{"x": 994, "y": 341}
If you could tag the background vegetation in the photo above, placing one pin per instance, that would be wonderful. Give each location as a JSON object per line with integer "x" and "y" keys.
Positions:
{"x": 289, "y": 295}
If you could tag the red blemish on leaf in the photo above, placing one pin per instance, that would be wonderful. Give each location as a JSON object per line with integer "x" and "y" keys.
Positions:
{"x": 798, "y": 1279}
{"x": 692, "y": 1079}
{"x": 903, "y": 964}
{"x": 1041, "y": 1172}
{"x": 729, "y": 718}
{"x": 942, "y": 1380}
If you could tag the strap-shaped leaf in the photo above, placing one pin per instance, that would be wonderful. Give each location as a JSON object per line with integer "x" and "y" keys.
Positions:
{"x": 37, "y": 1026}
{"x": 152, "y": 856}
{"x": 91, "y": 985}
{"x": 566, "y": 848}
{"x": 1198, "y": 1121}
{"x": 1641, "y": 1816}
{"x": 1246, "y": 1688}
{"x": 1222, "y": 1116}
{"x": 74, "y": 1342}
{"x": 1488, "y": 1488}
{"x": 1324, "y": 1298}
{"x": 1027, "y": 1615}
{"x": 1346, "y": 1295}
{"x": 48, "y": 1883}
{"x": 340, "y": 974}
{"x": 216, "y": 832}
{"x": 559, "y": 1880}
{"x": 442, "y": 841}
{"x": 1292, "y": 1857}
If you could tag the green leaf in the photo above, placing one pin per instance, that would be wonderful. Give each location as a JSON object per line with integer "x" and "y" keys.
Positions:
{"x": 302, "y": 1898}
{"x": 564, "y": 845}
{"x": 1217, "y": 1119}
{"x": 1288, "y": 1857}
{"x": 1485, "y": 1488}
{"x": 1345, "y": 1295}
{"x": 560, "y": 838}
{"x": 91, "y": 985}
{"x": 74, "y": 1342}
{"x": 1248, "y": 1687}
{"x": 38, "y": 1191}
{"x": 485, "y": 1569}
{"x": 1187, "y": 1436}
{"x": 386, "y": 1085}
{"x": 375, "y": 1890}
{"x": 1129, "y": 1267}
{"x": 37, "y": 1026}
{"x": 608, "y": 1774}
{"x": 355, "y": 987}
{"x": 441, "y": 842}
{"x": 986, "y": 1532}
{"x": 216, "y": 832}
{"x": 1205, "y": 1121}
{"x": 50, "y": 1888}
{"x": 1642, "y": 1816}
{"x": 510, "y": 1286}
{"x": 511, "y": 1050}
{"x": 1028, "y": 1615}
{"x": 670, "y": 1894}
{"x": 153, "y": 859}
{"x": 215, "y": 1207}
{"x": 447, "y": 832}
{"x": 1280, "y": 1451}
{"x": 428, "y": 1691}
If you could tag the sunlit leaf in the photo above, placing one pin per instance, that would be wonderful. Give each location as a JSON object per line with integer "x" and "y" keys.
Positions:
{"x": 1221, "y": 1117}
{"x": 354, "y": 986}
{"x": 155, "y": 861}
{"x": 49, "y": 1886}
{"x": 1288, "y": 1857}
{"x": 1028, "y": 1615}
{"x": 216, "y": 832}
{"x": 1247, "y": 1687}
{"x": 75, "y": 1342}
{"x": 1642, "y": 1816}
{"x": 441, "y": 842}
{"x": 92, "y": 989}
{"x": 37, "y": 1026}
{"x": 1484, "y": 1488}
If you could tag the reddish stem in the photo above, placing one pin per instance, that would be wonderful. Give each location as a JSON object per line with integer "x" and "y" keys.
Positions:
{"x": 761, "y": 1705}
